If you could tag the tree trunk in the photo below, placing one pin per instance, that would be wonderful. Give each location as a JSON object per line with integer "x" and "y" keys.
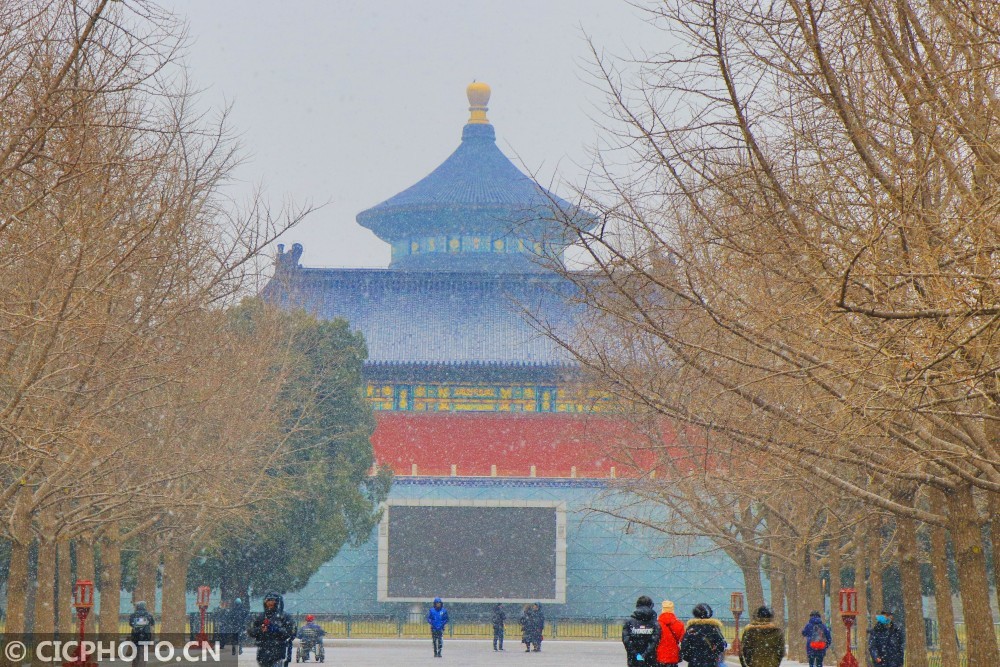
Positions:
{"x": 148, "y": 566}
{"x": 995, "y": 540}
{"x": 796, "y": 649}
{"x": 752, "y": 584}
{"x": 861, "y": 586}
{"x": 175, "y": 566}
{"x": 777, "y": 581}
{"x": 947, "y": 639}
{"x": 973, "y": 582}
{"x": 111, "y": 582}
{"x": 17, "y": 587}
{"x": 45, "y": 591}
{"x": 877, "y": 601}
{"x": 85, "y": 570}
{"x": 909, "y": 571}
{"x": 836, "y": 583}
{"x": 65, "y": 616}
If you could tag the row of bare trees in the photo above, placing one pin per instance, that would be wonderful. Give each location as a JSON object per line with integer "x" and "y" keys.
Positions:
{"x": 796, "y": 264}
{"x": 135, "y": 411}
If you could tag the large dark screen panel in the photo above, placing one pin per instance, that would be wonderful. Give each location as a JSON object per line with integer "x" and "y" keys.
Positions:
{"x": 504, "y": 553}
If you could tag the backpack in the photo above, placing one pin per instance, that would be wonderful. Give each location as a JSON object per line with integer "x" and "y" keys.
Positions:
{"x": 640, "y": 637}
{"x": 817, "y": 637}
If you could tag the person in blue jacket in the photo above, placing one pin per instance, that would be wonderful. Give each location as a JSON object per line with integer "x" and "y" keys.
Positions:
{"x": 818, "y": 639}
{"x": 437, "y": 618}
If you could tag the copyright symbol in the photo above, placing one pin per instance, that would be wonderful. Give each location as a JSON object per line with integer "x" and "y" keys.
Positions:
{"x": 15, "y": 651}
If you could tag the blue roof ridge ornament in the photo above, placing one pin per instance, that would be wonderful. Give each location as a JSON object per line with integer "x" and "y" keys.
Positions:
{"x": 476, "y": 211}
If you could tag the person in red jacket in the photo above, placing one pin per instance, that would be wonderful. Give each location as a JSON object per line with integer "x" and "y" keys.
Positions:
{"x": 668, "y": 653}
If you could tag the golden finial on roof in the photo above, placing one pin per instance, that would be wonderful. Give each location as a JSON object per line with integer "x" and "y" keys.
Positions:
{"x": 479, "y": 95}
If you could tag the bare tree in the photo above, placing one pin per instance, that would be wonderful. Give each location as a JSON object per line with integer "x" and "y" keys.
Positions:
{"x": 803, "y": 258}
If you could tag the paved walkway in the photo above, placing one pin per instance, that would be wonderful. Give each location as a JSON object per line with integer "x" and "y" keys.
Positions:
{"x": 468, "y": 652}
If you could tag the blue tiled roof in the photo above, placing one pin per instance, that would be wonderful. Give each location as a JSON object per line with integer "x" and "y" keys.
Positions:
{"x": 434, "y": 317}
{"x": 476, "y": 190}
{"x": 477, "y": 173}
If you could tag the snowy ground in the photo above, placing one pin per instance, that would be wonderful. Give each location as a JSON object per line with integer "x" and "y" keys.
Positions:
{"x": 418, "y": 653}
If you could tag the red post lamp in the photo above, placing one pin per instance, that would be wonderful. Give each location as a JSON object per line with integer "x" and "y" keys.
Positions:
{"x": 203, "y": 598}
{"x": 849, "y": 614}
{"x": 736, "y": 606}
{"x": 83, "y": 601}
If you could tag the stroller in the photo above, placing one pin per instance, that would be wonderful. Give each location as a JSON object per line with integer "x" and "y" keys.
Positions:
{"x": 310, "y": 642}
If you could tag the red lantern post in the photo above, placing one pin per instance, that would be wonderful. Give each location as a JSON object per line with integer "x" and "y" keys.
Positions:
{"x": 736, "y": 606}
{"x": 204, "y": 595}
{"x": 849, "y": 614}
{"x": 83, "y": 600}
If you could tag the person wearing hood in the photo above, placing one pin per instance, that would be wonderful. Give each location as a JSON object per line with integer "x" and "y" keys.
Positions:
{"x": 763, "y": 642}
{"x": 273, "y": 630}
{"x": 499, "y": 618}
{"x": 703, "y": 644}
{"x": 527, "y": 622}
{"x": 437, "y": 618}
{"x": 886, "y": 642}
{"x": 641, "y": 634}
{"x": 538, "y": 628}
{"x": 818, "y": 639}
{"x": 668, "y": 651}
{"x": 141, "y": 623}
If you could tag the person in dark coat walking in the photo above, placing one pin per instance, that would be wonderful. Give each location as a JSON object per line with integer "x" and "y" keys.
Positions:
{"x": 238, "y": 617}
{"x": 886, "y": 642}
{"x": 818, "y": 639}
{"x": 703, "y": 643}
{"x": 437, "y": 618}
{"x": 763, "y": 642}
{"x": 527, "y": 622}
{"x": 539, "y": 627}
{"x": 499, "y": 618}
{"x": 141, "y": 624}
{"x": 273, "y": 630}
{"x": 641, "y": 634}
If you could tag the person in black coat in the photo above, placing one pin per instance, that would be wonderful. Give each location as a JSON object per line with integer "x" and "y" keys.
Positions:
{"x": 273, "y": 630}
{"x": 238, "y": 617}
{"x": 499, "y": 617}
{"x": 886, "y": 642}
{"x": 641, "y": 634}
{"x": 539, "y": 627}
{"x": 140, "y": 624}
{"x": 703, "y": 643}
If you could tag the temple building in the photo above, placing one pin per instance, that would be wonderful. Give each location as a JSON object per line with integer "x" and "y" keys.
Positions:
{"x": 480, "y": 415}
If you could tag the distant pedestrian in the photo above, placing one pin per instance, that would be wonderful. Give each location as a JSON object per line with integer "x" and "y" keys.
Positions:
{"x": 641, "y": 634}
{"x": 527, "y": 622}
{"x": 763, "y": 641}
{"x": 818, "y": 639}
{"x": 703, "y": 644}
{"x": 140, "y": 624}
{"x": 437, "y": 618}
{"x": 499, "y": 618}
{"x": 668, "y": 651}
{"x": 238, "y": 617}
{"x": 886, "y": 642}
{"x": 539, "y": 627}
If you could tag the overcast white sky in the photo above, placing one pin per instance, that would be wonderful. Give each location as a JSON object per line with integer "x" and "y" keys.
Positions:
{"x": 351, "y": 101}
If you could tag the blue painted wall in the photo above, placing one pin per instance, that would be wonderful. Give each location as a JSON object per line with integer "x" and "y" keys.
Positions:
{"x": 608, "y": 563}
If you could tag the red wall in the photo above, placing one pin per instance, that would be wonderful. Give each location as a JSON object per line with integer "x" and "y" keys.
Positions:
{"x": 553, "y": 443}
